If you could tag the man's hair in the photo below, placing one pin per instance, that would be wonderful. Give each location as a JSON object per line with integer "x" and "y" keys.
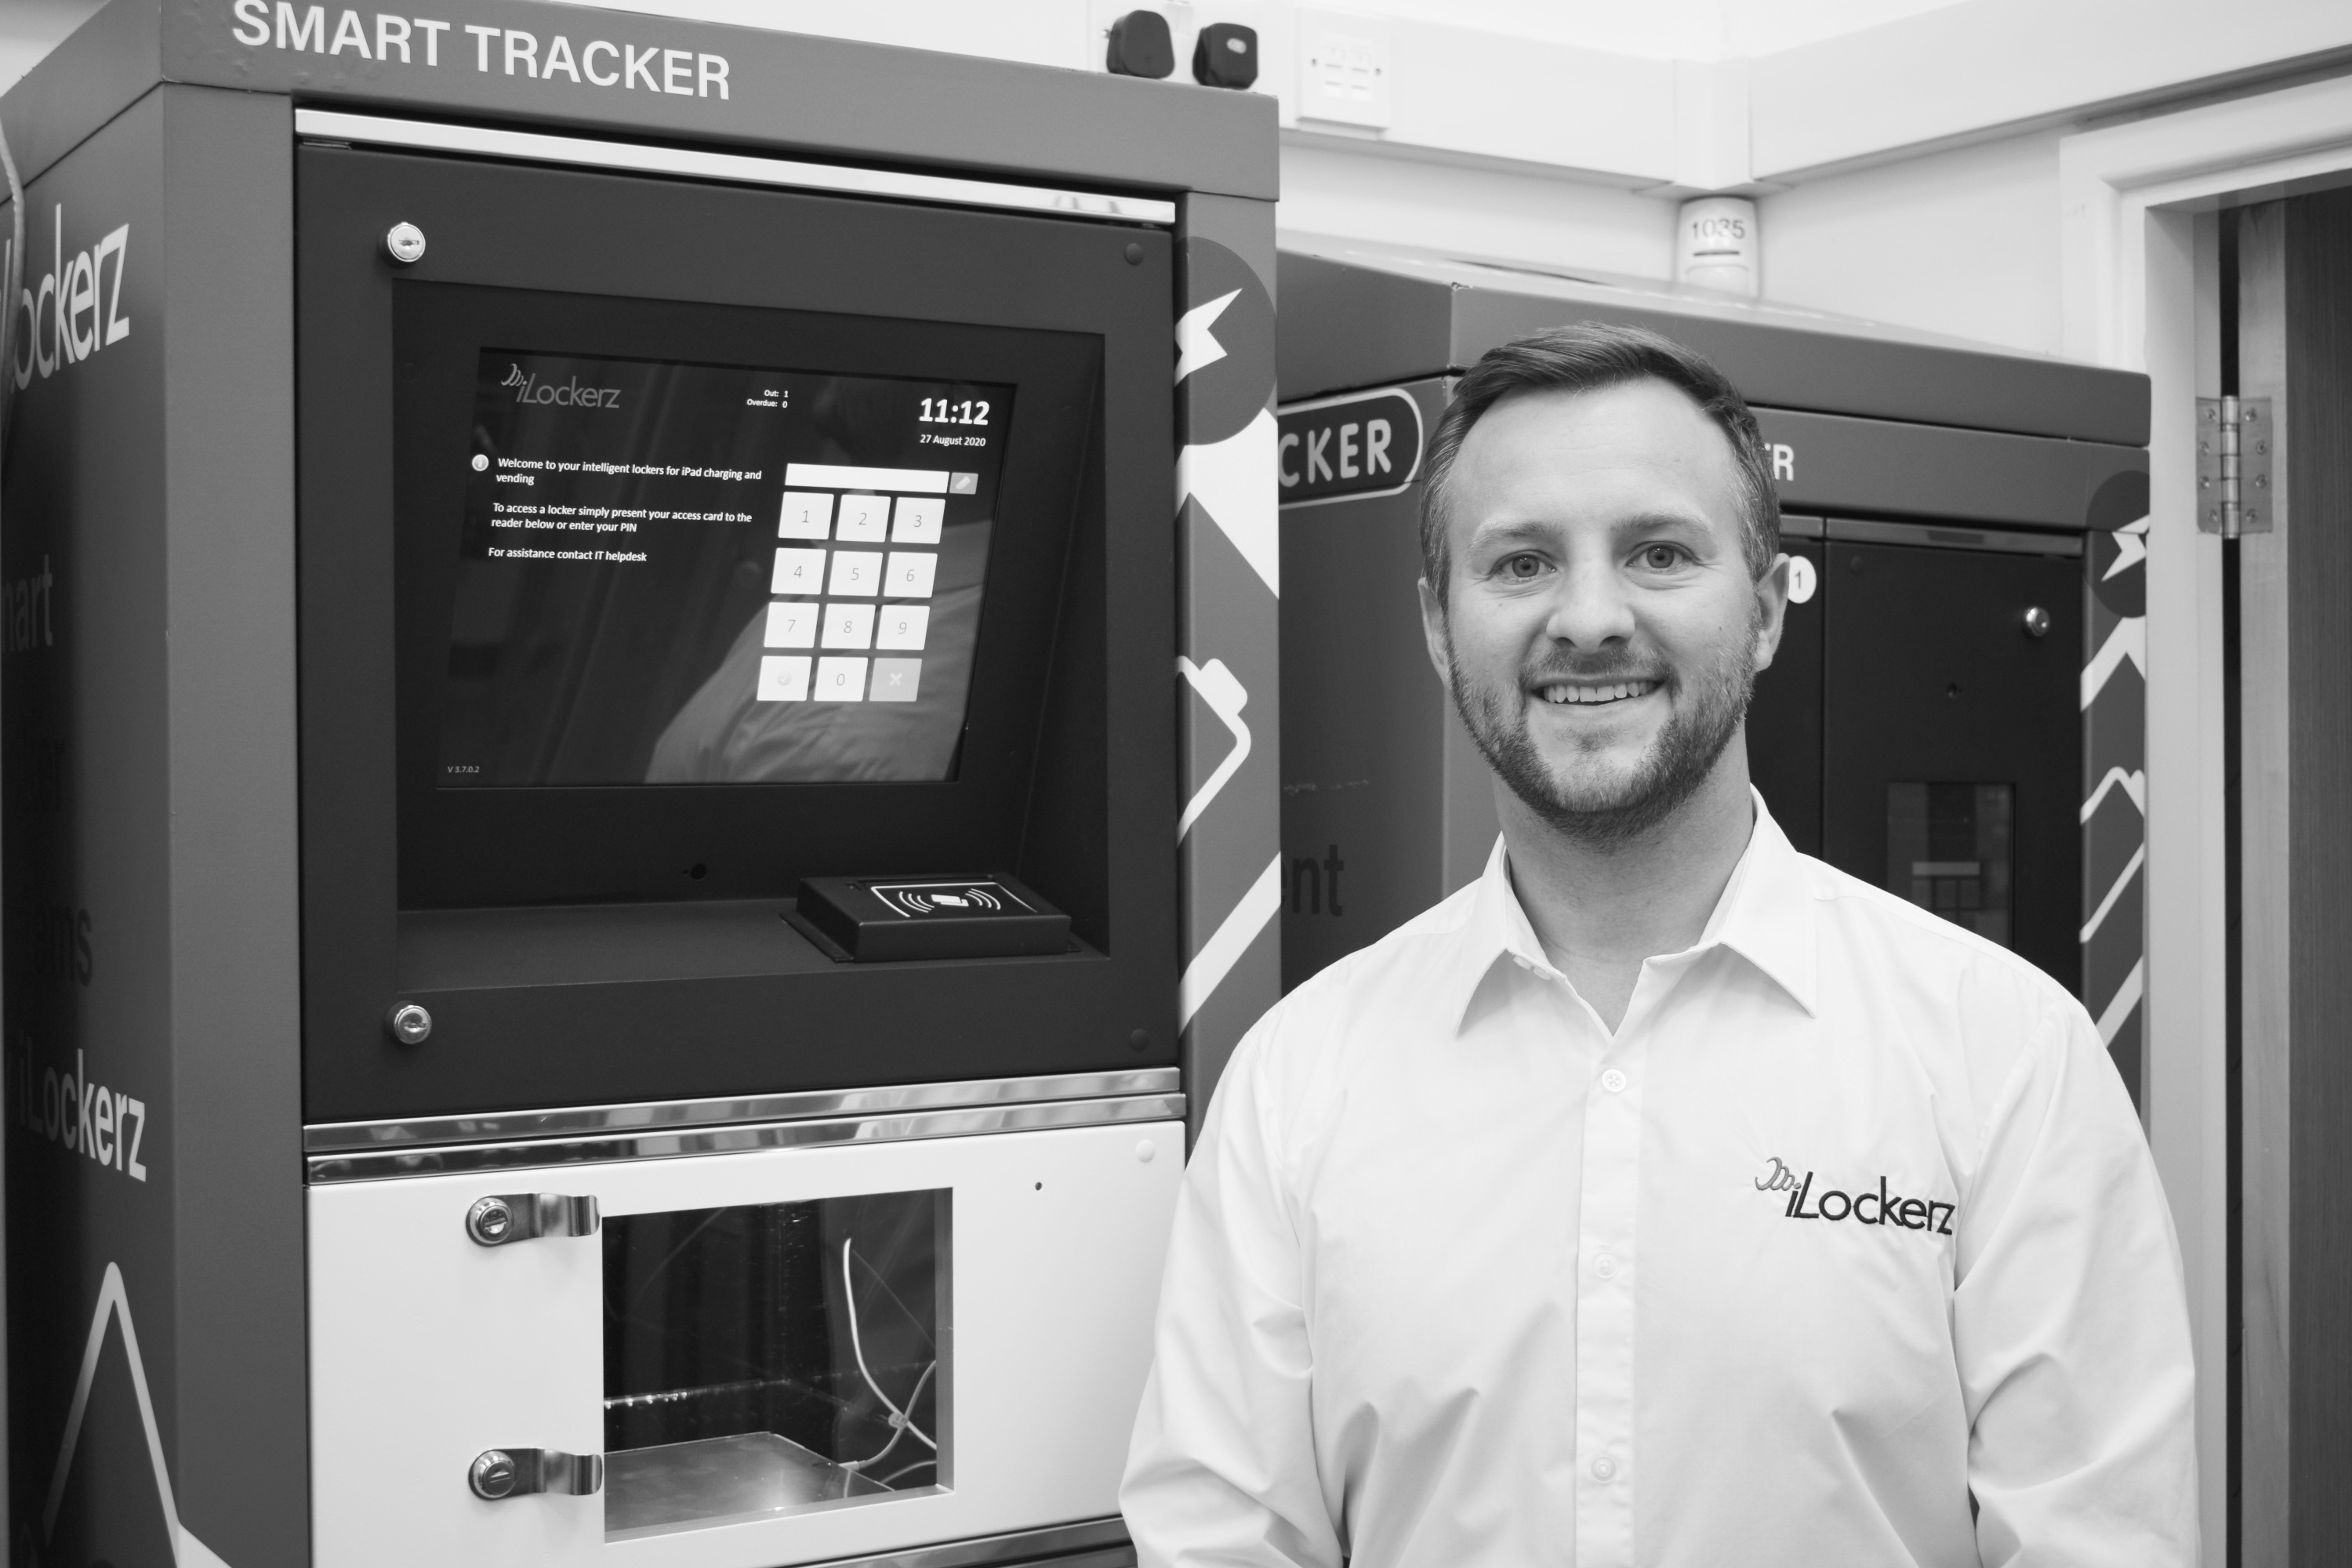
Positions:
{"x": 1587, "y": 356}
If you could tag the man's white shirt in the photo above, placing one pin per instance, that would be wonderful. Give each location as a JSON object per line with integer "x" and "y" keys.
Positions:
{"x": 1851, "y": 1222}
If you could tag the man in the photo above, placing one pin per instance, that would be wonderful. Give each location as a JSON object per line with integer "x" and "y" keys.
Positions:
{"x": 1666, "y": 1196}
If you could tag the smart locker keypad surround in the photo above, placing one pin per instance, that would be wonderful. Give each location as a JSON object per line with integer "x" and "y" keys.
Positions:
{"x": 552, "y": 927}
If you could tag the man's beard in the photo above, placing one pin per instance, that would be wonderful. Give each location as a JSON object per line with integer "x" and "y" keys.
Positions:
{"x": 1607, "y": 811}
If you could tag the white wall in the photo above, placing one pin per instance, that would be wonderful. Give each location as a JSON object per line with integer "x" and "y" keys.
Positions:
{"x": 31, "y": 28}
{"x": 1064, "y": 32}
{"x": 1476, "y": 212}
{"x": 1964, "y": 242}
{"x": 1562, "y": 132}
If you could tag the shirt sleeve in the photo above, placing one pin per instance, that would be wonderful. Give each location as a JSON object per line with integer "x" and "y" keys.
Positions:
{"x": 2070, "y": 1322}
{"x": 1222, "y": 1467}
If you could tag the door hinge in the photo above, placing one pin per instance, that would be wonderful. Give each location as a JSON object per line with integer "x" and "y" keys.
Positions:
{"x": 2235, "y": 490}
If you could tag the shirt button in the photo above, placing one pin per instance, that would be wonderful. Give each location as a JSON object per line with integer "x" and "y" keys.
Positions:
{"x": 1605, "y": 1469}
{"x": 1613, "y": 1081}
{"x": 1605, "y": 1266}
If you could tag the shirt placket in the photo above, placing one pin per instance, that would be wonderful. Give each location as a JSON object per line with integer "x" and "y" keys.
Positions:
{"x": 1606, "y": 1261}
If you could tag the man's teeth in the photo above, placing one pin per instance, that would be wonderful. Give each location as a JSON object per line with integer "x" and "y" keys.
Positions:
{"x": 1578, "y": 692}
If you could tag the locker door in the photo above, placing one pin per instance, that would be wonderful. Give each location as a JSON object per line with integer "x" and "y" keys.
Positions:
{"x": 1784, "y": 719}
{"x": 1952, "y": 761}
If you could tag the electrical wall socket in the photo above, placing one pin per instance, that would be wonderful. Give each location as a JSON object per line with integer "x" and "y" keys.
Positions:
{"x": 1346, "y": 68}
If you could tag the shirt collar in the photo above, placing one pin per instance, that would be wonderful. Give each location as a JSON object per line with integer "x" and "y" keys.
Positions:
{"x": 1765, "y": 915}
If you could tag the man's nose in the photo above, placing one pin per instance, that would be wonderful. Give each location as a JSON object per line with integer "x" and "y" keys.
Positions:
{"x": 1591, "y": 608}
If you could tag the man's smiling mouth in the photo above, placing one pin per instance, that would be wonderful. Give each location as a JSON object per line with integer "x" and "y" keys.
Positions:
{"x": 1569, "y": 693}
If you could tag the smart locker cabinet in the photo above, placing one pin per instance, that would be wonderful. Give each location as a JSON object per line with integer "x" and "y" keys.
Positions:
{"x": 1954, "y": 712}
{"x": 602, "y": 966}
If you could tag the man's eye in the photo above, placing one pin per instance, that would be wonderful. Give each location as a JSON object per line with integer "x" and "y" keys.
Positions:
{"x": 1661, "y": 557}
{"x": 1522, "y": 566}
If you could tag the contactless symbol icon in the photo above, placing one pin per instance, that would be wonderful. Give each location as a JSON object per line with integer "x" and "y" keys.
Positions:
{"x": 970, "y": 901}
{"x": 857, "y": 921}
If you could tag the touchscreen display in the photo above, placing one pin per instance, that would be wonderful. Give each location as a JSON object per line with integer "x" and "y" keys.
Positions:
{"x": 690, "y": 573}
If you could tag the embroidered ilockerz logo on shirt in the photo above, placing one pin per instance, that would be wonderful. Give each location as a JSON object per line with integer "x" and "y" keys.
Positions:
{"x": 1884, "y": 1207}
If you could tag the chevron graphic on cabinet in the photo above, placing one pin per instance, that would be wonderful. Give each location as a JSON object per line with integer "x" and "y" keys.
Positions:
{"x": 114, "y": 1308}
{"x": 2114, "y": 789}
{"x": 1229, "y": 835}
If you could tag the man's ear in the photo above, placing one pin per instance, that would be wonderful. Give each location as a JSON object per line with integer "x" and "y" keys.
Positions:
{"x": 1432, "y": 633}
{"x": 1772, "y": 610}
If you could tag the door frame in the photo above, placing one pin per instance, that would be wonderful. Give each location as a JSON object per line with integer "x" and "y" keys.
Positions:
{"x": 2141, "y": 274}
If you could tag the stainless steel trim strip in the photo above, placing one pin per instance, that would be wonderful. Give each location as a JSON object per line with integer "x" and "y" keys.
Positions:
{"x": 1021, "y": 1546}
{"x": 1953, "y": 536}
{"x": 1793, "y": 526}
{"x": 535, "y": 147}
{"x": 377, "y": 1163}
{"x": 506, "y": 1126}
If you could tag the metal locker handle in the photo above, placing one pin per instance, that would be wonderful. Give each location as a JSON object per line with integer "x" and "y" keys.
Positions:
{"x": 496, "y": 1474}
{"x": 523, "y": 1216}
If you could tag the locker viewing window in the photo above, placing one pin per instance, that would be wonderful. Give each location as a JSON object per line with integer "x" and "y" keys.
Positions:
{"x": 1949, "y": 850}
{"x": 771, "y": 1358}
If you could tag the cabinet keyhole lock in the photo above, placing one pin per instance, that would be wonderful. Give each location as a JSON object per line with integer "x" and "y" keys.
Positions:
{"x": 405, "y": 243}
{"x": 526, "y": 1216}
{"x": 409, "y": 1024}
{"x": 498, "y": 1474}
{"x": 2037, "y": 622}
